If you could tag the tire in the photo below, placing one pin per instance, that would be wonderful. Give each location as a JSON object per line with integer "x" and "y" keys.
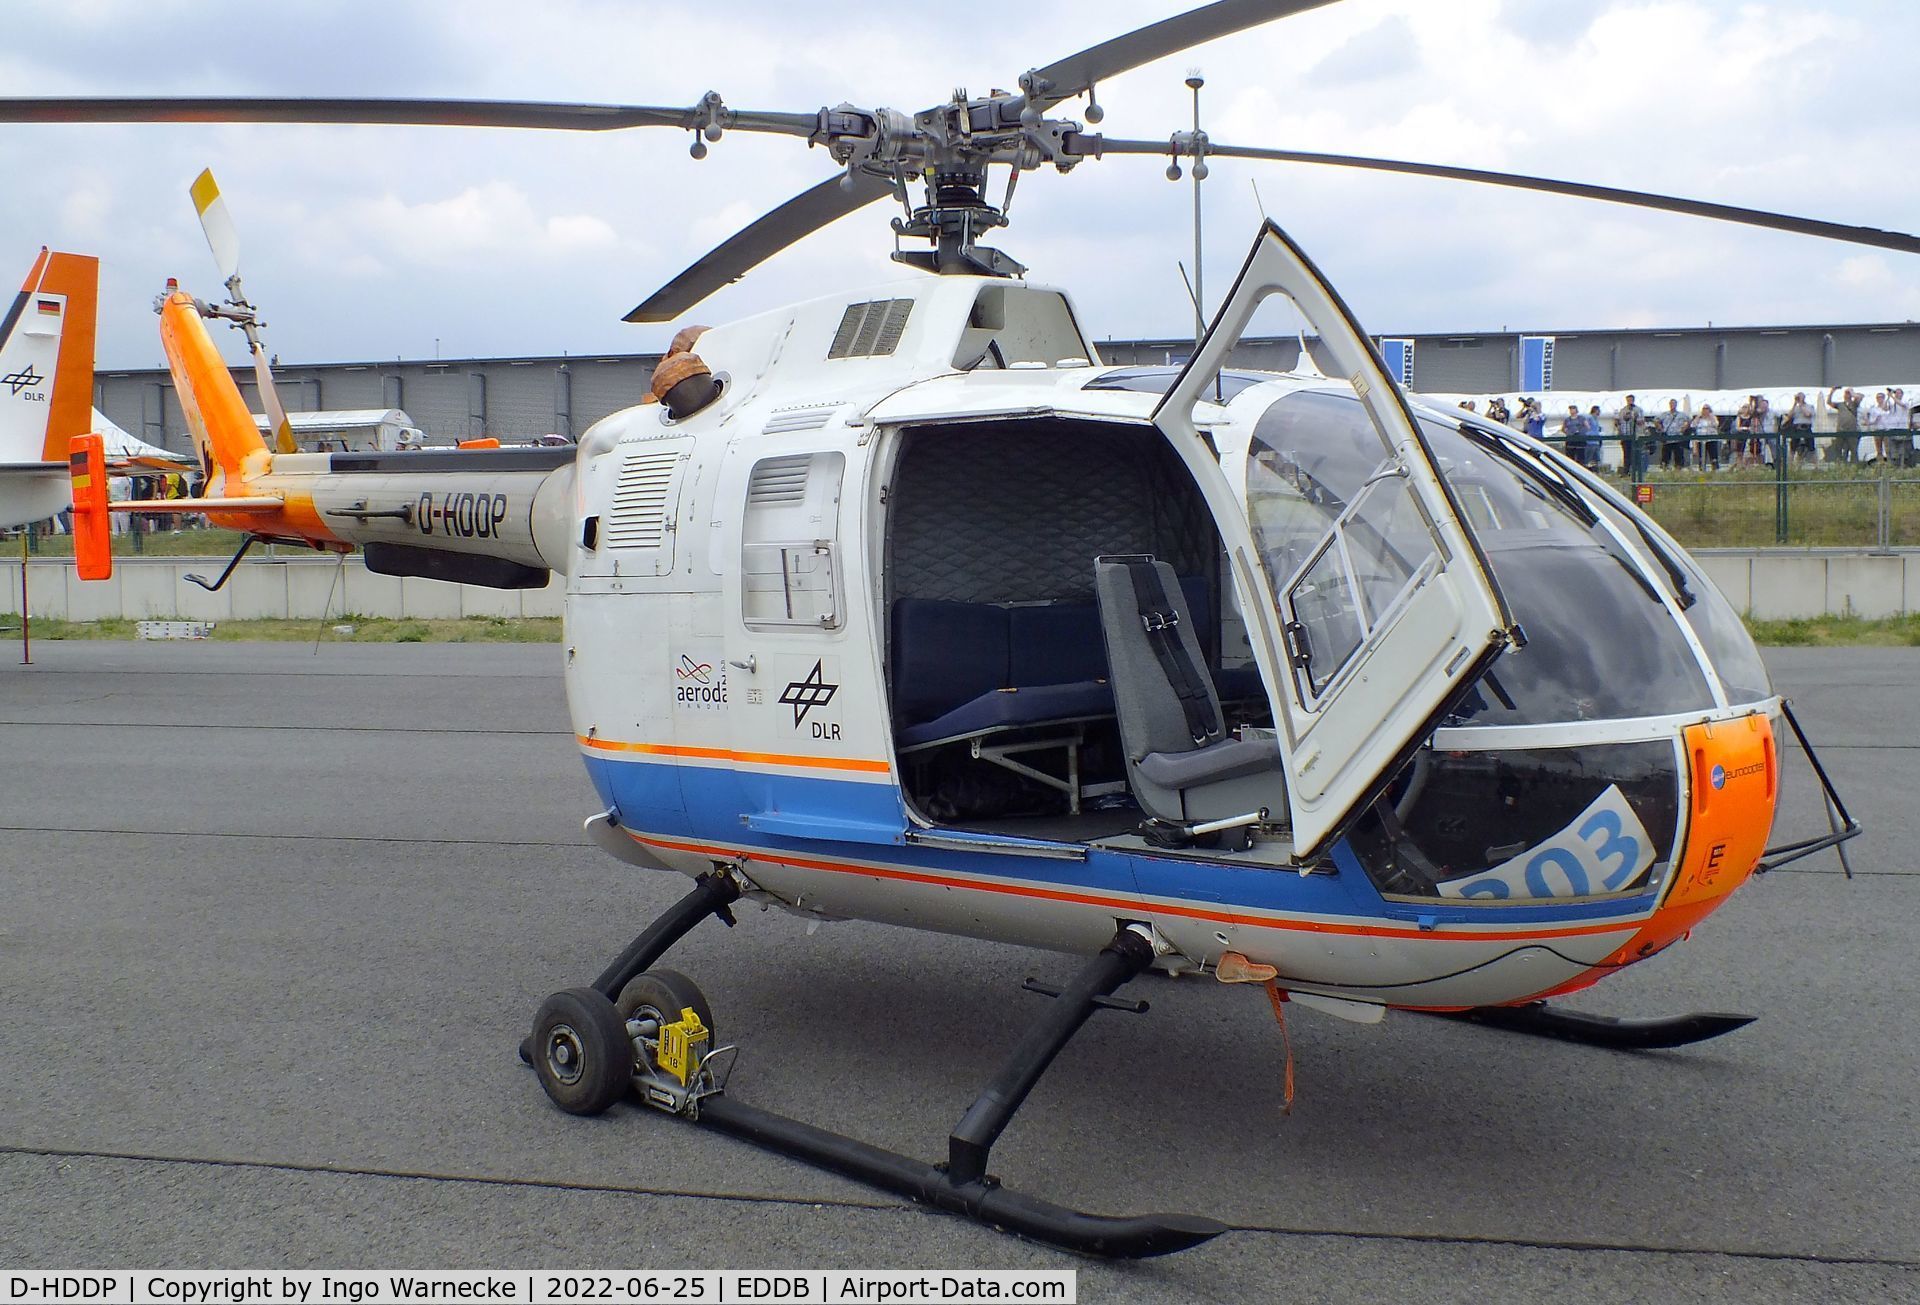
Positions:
{"x": 581, "y": 1051}
{"x": 665, "y": 993}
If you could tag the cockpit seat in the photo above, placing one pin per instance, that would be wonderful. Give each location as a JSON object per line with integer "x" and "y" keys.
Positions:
{"x": 1182, "y": 764}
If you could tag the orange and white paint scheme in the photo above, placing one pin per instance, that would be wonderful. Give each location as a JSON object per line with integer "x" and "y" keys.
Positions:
{"x": 482, "y": 507}
{"x": 46, "y": 382}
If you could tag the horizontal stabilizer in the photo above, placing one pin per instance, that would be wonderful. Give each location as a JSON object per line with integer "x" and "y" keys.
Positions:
{"x": 258, "y": 503}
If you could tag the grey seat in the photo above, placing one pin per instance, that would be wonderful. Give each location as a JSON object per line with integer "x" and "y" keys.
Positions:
{"x": 1182, "y": 764}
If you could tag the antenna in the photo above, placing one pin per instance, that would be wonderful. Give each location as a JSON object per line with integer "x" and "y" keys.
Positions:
{"x": 1199, "y": 288}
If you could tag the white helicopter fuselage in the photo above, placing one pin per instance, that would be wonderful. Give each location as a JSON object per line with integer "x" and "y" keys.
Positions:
{"x": 736, "y": 685}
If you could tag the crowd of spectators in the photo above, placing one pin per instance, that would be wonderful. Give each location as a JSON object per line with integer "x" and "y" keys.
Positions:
{"x": 1832, "y": 427}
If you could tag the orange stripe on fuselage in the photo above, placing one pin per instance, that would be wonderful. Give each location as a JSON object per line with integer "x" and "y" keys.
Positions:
{"x": 1130, "y": 904}
{"x": 860, "y": 764}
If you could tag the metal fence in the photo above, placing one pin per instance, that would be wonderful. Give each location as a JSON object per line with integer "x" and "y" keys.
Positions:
{"x": 1842, "y": 491}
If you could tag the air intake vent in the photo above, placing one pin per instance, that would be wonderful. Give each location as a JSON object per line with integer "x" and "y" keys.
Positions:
{"x": 779, "y": 480}
{"x": 639, "y": 516}
{"x": 872, "y": 329}
{"x": 785, "y": 423}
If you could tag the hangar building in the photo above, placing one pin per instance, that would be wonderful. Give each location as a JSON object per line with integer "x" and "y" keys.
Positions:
{"x": 516, "y": 399}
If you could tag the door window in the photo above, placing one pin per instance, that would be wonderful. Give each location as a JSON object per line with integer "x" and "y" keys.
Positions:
{"x": 789, "y": 541}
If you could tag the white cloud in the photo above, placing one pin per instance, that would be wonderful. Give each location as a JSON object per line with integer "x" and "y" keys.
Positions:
{"x": 372, "y": 242}
{"x": 1863, "y": 272}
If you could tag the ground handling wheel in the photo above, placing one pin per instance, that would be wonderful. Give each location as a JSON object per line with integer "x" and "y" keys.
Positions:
{"x": 661, "y": 995}
{"x": 672, "y": 1029}
{"x": 581, "y": 1051}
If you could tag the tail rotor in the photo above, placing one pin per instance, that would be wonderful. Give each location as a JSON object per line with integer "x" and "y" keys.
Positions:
{"x": 223, "y": 238}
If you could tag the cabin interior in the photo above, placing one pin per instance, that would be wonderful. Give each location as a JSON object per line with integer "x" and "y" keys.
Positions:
{"x": 1000, "y": 680}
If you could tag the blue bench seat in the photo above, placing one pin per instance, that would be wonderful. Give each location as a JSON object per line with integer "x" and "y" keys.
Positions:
{"x": 962, "y": 669}
{"x": 1014, "y": 708}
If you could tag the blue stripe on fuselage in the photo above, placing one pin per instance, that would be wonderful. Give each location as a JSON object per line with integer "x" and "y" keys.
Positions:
{"x": 706, "y": 803}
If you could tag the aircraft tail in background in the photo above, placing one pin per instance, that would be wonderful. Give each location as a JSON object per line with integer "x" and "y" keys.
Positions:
{"x": 46, "y": 359}
{"x": 46, "y": 382}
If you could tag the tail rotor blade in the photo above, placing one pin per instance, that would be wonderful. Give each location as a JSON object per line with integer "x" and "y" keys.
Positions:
{"x": 222, "y": 237}
{"x": 282, "y": 440}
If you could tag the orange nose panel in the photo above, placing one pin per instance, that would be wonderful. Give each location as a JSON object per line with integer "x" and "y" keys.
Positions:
{"x": 1733, "y": 782}
{"x": 1735, "y": 779}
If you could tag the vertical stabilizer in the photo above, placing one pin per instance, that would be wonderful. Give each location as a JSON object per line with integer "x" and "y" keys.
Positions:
{"x": 224, "y": 435}
{"x": 46, "y": 359}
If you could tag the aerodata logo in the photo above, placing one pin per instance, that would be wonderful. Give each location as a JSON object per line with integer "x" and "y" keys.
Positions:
{"x": 700, "y": 686}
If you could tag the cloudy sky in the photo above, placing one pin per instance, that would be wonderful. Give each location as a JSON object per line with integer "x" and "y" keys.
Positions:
{"x": 382, "y": 242}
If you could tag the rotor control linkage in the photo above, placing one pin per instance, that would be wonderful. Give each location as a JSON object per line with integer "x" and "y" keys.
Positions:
{"x": 1541, "y": 1019}
{"x": 962, "y": 1186}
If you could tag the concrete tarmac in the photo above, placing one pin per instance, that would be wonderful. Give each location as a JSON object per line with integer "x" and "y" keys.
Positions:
{"x": 271, "y": 924}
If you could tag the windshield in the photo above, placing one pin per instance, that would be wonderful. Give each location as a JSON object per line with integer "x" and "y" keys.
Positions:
{"x": 1735, "y": 657}
{"x": 1344, "y": 539}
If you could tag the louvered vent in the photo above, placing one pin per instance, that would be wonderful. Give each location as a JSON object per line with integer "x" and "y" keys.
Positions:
{"x": 872, "y": 329}
{"x": 779, "y": 480}
{"x": 785, "y": 423}
{"x": 639, "y": 516}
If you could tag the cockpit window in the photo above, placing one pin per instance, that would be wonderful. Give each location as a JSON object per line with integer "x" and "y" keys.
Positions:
{"x": 1340, "y": 532}
{"x": 1735, "y": 657}
{"x": 1592, "y": 821}
{"x": 1600, "y": 643}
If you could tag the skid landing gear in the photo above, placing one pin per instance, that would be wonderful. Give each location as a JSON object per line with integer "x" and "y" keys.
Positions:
{"x": 1547, "y": 1021}
{"x": 666, "y": 1051}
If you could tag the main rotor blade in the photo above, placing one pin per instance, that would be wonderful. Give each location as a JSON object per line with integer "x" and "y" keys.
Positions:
{"x": 760, "y": 240}
{"x": 1068, "y": 77}
{"x": 530, "y": 115}
{"x": 1753, "y": 217}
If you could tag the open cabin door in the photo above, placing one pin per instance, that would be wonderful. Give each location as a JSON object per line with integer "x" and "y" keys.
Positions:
{"x": 1368, "y": 617}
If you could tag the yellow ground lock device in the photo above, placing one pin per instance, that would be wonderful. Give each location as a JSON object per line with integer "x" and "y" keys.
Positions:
{"x": 683, "y": 1045}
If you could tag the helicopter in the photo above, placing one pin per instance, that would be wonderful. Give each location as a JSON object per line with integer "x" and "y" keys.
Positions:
{"x": 897, "y": 605}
